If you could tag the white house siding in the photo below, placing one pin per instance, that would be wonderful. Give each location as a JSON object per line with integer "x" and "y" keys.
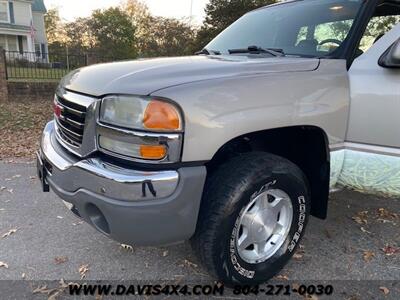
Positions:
{"x": 38, "y": 23}
{"x": 22, "y": 13}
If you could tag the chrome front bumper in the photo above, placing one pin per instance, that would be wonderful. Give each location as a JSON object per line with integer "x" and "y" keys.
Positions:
{"x": 131, "y": 206}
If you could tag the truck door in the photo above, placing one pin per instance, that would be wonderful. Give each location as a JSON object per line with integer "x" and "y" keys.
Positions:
{"x": 375, "y": 91}
{"x": 371, "y": 161}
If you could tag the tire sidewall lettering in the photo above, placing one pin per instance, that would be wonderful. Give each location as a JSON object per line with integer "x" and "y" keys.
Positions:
{"x": 301, "y": 219}
{"x": 300, "y": 224}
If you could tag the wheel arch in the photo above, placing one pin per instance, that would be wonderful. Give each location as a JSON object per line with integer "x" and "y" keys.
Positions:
{"x": 307, "y": 146}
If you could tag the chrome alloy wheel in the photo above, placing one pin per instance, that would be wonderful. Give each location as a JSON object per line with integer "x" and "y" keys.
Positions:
{"x": 264, "y": 225}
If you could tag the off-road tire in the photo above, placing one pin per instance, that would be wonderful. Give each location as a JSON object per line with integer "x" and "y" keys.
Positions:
{"x": 227, "y": 191}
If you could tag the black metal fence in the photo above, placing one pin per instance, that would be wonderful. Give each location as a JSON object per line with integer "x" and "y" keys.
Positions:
{"x": 46, "y": 66}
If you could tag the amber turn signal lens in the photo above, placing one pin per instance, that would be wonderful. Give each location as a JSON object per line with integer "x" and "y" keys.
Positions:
{"x": 152, "y": 152}
{"x": 161, "y": 116}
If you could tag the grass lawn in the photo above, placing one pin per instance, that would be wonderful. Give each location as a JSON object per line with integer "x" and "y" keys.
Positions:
{"x": 28, "y": 74}
{"x": 21, "y": 127}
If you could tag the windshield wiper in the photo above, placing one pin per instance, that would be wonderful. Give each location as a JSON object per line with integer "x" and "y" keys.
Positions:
{"x": 257, "y": 50}
{"x": 205, "y": 51}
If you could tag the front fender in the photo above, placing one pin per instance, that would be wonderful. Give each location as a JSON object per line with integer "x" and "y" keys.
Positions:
{"x": 217, "y": 111}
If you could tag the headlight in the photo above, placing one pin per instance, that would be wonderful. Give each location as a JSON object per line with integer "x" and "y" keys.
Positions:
{"x": 140, "y": 128}
{"x": 140, "y": 113}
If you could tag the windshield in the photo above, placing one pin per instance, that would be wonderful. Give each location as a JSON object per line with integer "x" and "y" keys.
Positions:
{"x": 302, "y": 28}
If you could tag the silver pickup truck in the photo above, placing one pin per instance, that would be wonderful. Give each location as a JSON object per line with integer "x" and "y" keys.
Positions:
{"x": 234, "y": 148}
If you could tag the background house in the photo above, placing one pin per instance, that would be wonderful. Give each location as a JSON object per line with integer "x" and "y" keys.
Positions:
{"x": 22, "y": 28}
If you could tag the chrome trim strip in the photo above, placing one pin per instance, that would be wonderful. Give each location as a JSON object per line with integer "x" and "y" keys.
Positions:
{"x": 70, "y": 147}
{"x": 68, "y": 130}
{"x": 79, "y": 99}
{"x": 336, "y": 147}
{"x": 375, "y": 149}
{"x": 103, "y": 178}
{"x": 73, "y": 111}
{"x": 76, "y": 124}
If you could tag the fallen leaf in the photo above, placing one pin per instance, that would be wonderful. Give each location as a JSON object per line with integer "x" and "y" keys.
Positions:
{"x": 3, "y": 265}
{"x": 281, "y": 277}
{"x": 32, "y": 177}
{"x": 188, "y": 263}
{"x": 299, "y": 253}
{"x": 165, "y": 253}
{"x": 77, "y": 223}
{"x": 54, "y": 295}
{"x": 384, "y": 290}
{"x": 63, "y": 284}
{"x": 8, "y": 233}
{"x": 41, "y": 290}
{"x": 353, "y": 298}
{"x": 361, "y": 217}
{"x": 389, "y": 250}
{"x": 368, "y": 255}
{"x": 83, "y": 270}
{"x": 386, "y": 214}
{"x": 364, "y": 230}
{"x": 60, "y": 260}
{"x": 13, "y": 177}
{"x": 297, "y": 256}
{"x": 99, "y": 297}
{"x": 295, "y": 286}
{"x": 127, "y": 247}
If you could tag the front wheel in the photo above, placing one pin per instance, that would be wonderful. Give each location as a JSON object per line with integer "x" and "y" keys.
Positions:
{"x": 253, "y": 215}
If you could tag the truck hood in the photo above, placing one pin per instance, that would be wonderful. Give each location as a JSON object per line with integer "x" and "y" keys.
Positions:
{"x": 142, "y": 77}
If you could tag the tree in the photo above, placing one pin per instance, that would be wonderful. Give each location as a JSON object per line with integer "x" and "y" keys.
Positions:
{"x": 157, "y": 36}
{"x": 56, "y": 35}
{"x": 138, "y": 13}
{"x": 53, "y": 25}
{"x": 222, "y": 13}
{"x": 112, "y": 33}
{"x": 79, "y": 35}
{"x": 123, "y": 32}
{"x": 167, "y": 37}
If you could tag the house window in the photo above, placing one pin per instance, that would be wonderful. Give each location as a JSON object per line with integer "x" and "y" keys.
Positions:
{"x": 3, "y": 42}
{"x": 38, "y": 50}
{"x": 9, "y": 42}
{"x": 21, "y": 44}
{"x": 4, "y": 14}
{"x": 12, "y": 43}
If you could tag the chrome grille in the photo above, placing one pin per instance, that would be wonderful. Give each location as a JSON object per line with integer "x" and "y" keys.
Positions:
{"x": 71, "y": 122}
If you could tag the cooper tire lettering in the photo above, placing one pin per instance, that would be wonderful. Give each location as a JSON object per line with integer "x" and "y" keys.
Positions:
{"x": 230, "y": 191}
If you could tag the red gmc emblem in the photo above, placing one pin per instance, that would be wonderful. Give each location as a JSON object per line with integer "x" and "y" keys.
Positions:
{"x": 57, "y": 109}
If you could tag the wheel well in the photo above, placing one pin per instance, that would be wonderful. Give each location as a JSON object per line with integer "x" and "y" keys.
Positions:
{"x": 306, "y": 146}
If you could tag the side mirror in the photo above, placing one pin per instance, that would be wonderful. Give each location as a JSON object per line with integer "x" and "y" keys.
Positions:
{"x": 391, "y": 57}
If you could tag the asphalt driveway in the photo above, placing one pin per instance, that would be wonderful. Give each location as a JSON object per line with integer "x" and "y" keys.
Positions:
{"x": 357, "y": 248}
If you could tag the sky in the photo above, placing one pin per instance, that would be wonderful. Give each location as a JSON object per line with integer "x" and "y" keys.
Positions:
{"x": 71, "y": 9}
